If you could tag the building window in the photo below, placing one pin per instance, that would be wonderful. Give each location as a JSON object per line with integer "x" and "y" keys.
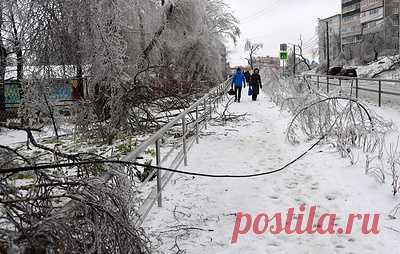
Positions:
{"x": 374, "y": 11}
{"x": 396, "y": 20}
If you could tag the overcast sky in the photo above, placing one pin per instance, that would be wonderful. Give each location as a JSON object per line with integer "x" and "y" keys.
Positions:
{"x": 272, "y": 22}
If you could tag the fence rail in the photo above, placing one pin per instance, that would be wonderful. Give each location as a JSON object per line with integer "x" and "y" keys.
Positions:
{"x": 353, "y": 86}
{"x": 200, "y": 112}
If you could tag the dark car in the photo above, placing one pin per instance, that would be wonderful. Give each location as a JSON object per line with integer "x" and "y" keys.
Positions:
{"x": 333, "y": 71}
{"x": 349, "y": 72}
{"x": 344, "y": 72}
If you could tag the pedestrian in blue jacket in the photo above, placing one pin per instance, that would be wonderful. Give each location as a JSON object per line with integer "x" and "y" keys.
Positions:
{"x": 238, "y": 82}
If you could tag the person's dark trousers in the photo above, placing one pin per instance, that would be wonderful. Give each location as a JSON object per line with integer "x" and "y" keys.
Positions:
{"x": 238, "y": 94}
{"x": 256, "y": 91}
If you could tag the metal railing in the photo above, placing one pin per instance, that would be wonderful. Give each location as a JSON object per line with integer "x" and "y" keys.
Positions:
{"x": 353, "y": 86}
{"x": 190, "y": 122}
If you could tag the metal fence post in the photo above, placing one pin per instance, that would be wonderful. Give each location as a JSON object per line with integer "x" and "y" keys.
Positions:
{"x": 318, "y": 82}
{"x": 158, "y": 162}
{"x": 214, "y": 103}
{"x": 357, "y": 88}
{"x": 205, "y": 113}
{"x": 380, "y": 93}
{"x": 184, "y": 141}
{"x": 327, "y": 84}
{"x": 210, "y": 107}
{"x": 197, "y": 125}
{"x": 340, "y": 87}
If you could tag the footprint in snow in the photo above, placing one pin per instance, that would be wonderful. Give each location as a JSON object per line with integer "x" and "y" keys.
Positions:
{"x": 352, "y": 240}
{"x": 330, "y": 197}
{"x": 299, "y": 174}
{"x": 292, "y": 185}
{"x": 315, "y": 186}
{"x": 274, "y": 244}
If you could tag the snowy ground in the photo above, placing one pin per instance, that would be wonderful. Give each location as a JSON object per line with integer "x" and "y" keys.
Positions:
{"x": 12, "y": 137}
{"x": 199, "y": 213}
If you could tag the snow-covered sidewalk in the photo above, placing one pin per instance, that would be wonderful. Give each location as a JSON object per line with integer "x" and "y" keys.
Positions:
{"x": 199, "y": 213}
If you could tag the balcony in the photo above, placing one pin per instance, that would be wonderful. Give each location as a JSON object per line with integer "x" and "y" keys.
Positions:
{"x": 351, "y": 8}
{"x": 351, "y": 31}
{"x": 367, "y": 5}
{"x": 371, "y": 15}
{"x": 373, "y": 27}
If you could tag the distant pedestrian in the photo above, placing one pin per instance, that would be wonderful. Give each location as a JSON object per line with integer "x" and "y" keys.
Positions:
{"x": 248, "y": 76}
{"x": 255, "y": 83}
{"x": 238, "y": 83}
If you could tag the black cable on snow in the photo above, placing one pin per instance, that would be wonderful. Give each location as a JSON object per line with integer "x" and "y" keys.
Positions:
{"x": 91, "y": 162}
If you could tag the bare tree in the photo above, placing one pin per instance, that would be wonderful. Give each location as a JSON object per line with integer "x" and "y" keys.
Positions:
{"x": 300, "y": 62}
{"x": 130, "y": 52}
{"x": 252, "y": 49}
{"x": 300, "y": 54}
{"x": 3, "y": 50}
{"x": 123, "y": 46}
{"x": 220, "y": 20}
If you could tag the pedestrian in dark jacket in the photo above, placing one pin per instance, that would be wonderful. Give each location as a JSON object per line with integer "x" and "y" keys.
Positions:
{"x": 255, "y": 83}
{"x": 238, "y": 82}
{"x": 247, "y": 75}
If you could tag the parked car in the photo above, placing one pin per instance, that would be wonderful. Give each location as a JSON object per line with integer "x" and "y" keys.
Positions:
{"x": 349, "y": 72}
{"x": 344, "y": 72}
{"x": 333, "y": 71}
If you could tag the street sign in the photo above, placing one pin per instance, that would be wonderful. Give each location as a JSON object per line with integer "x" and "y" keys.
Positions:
{"x": 283, "y": 47}
{"x": 283, "y": 55}
{"x": 284, "y": 52}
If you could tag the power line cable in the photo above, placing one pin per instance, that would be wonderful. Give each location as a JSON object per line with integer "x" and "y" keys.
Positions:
{"x": 83, "y": 163}
{"x": 260, "y": 13}
{"x": 311, "y": 43}
{"x": 311, "y": 39}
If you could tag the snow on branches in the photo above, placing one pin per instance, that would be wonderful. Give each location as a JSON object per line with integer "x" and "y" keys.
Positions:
{"x": 345, "y": 123}
{"x": 137, "y": 63}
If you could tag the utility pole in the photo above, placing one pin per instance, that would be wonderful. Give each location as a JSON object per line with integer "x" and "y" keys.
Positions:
{"x": 327, "y": 45}
{"x": 294, "y": 60}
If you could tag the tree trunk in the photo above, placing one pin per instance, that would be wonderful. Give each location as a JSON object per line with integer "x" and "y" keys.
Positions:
{"x": 20, "y": 62}
{"x": 158, "y": 33}
{"x": 17, "y": 45}
{"x": 3, "y": 62}
{"x": 141, "y": 29}
{"x": 79, "y": 76}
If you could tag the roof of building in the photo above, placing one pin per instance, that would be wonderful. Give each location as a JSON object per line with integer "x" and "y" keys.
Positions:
{"x": 331, "y": 17}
